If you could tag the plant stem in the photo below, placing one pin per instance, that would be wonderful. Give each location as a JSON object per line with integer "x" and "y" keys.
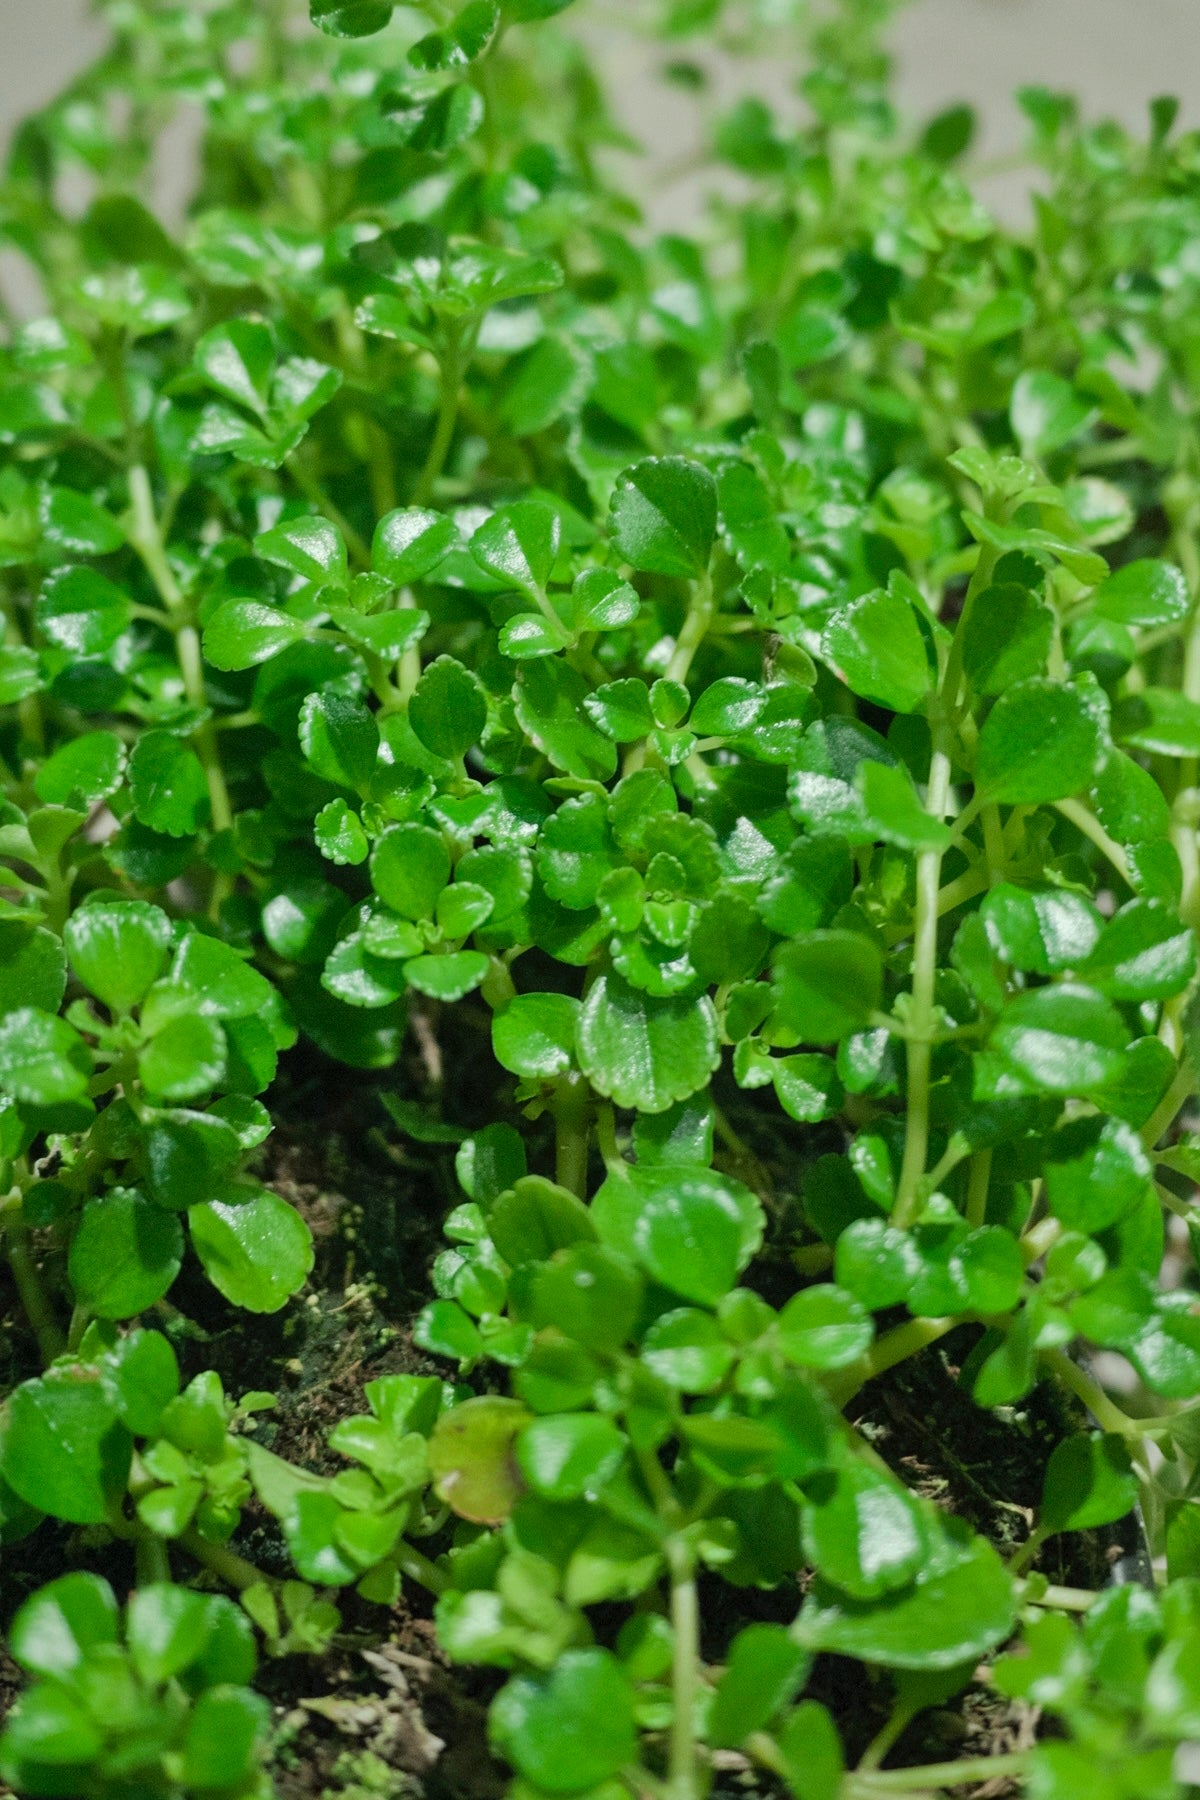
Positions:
{"x": 1065, "y": 1599}
{"x": 150, "y": 1559}
{"x": 1085, "y": 821}
{"x": 941, "y": 1775}
{"x": 418, "y": 1568}
{"x": 572, "y": 1116}
{"x": 893, "y": 1728}
{"x": 977, "y": 1187}
{"x": 313, "y": 491}
{"x": 234, "y": 1570}
{"x": 1181, "y": 1090}
{"x": 923, "y": 1016}
{"x": 1102, "y": 1409}
{"x": 695, "y": 627}
{"x": 682, "y": 1782}
{"x": 453, "y": 368}
{"x": 146, "y": 538}
{"x": 893, "y": 1347}
{"x": 46, "y": 1329}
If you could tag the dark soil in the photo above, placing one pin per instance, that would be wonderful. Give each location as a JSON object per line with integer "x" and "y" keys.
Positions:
{"x": 382, "y": 1716}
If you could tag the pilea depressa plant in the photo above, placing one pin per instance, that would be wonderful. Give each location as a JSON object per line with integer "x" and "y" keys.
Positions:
{"x": 680, "y": 757}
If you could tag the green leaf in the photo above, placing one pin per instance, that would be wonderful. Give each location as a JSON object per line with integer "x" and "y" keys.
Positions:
{"x": 823, "y": 1328}
{"x": 1039, "y": 929}
{"x": 571, "y": 1729}
{"x": 877, "y": 647}
{"x": 534, "y": 1035}
{"x": 1095, "y": 1170}
{"x": 621, "y": 709}
{"x": 811, "y": 1753}
{"x": 448, "y": 709}
{"x": 350, "y": 18}
{"x": 1065, "y": 1039}
{"x": 1006, "y": 638}
{"x": 83, "y": 771}
{"x": 570, "y": 1456}
{"x": 535, "y": 1217}
{"x": 56, "y": 1627}
{"x": 1046, "y": 412}
{"x": 258, "y": 1251}
{"x": 184, "y": 1059}
{"x": 340, "y": 738}
{"x": 65, "y": 1449}
{"x": 33, "y": 968}
{"x": 1143, "y": 953}
{"x": 226, "y": 1738}
{"x": 1158, "y": 719}
{"x": 125, "y": 1254}
{"x": 410, "y": 542}
{"x": 664, "y": 516}
{"x": 807, "y": 1087}
{"x": 471, "y": 1458}
{"x": 645, "y": 1052}
{"x": 890, "y": 802}
{"x": 764, "y": 1670}
{"x": 43, "y": 1060}
{"x": 828, "y": 984}
{"x": 243, "y": 633}
{"x": 117, "y": 949}
{"x": 1040, "y": 742}
{"x": 81, "y": 611}
{"x": 1143, "y": 593}
{"x": 690, "y": 1241}
{"x": 223, "y": 984}
{"x": 410, "y": 865}
{"x": 576, "y": 851}
{"x": 961, "y": 1604}
{"x": 519, "y": 545}
{"x": 339, "y": 835}
{"x": 1089, "y": 1481}
{"x": 168, "y": 784}
{"x": 238, "y": 359}
{"x": 864, "y": 1533}
{"x": 311, "y": 548}
{"x": 447, "y": 977}
{"x": 549, "y": 698}
{"x": 688, "y": 1350}
{"x": 48, "y": 1729}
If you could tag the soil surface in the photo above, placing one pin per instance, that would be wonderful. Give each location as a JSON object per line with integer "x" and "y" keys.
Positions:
{"x": 382, "y": 1716}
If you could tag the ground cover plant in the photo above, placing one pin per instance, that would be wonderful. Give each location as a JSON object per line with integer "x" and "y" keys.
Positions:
{"x": 698, "y": 737}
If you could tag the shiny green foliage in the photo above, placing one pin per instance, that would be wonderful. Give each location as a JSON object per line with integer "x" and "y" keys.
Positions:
{"x": 745, "y": 687}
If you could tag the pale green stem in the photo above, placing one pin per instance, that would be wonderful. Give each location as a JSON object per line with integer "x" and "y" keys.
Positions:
{"x": 313, "y": 491}
{"x": 682, "y": 1772}
{"x": 1108, "y": 1416}
{"x": 922, "y": 1017}
{"x": 150, "y": 1558}
{"x": 1086, "y": 822}
{"x": 893, "y": 1729}
{"x": 418, "y": 1568}
{"x": 572, "y": 1107}
{"x": 453, "y": 368}
{"x": 45, "y": 1327}
{"x": 1063, "y": 1599}
{"x": 146, "y": 539}
{"x": 977, "y": 1187}
{"x": 695, "y": 628}
{"x": 935, "y": 1776}
{"x": 1180, "y": 1091}
{"x": 234, "y": 1570}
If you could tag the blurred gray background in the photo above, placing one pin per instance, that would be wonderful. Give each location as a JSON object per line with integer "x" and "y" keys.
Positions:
{"x": 1115, "y": 54}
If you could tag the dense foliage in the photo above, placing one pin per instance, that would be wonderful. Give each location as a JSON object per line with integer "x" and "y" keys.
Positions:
{"x": 762, "y": 665}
